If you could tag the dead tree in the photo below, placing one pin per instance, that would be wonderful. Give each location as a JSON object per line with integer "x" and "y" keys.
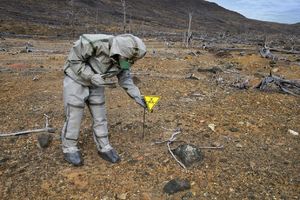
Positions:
{"x": 71, "y": 19}
{"x": 265, "y": 50}
{"x": 184, "y": 39}
{"x": 130, "y": 24}
{"x": 266, "y": 53}
{"x": 124, "y": 15}
{"x": 189, "y": 33}
{"x": 287, "y": 86}
{"x": 97, "y": 16}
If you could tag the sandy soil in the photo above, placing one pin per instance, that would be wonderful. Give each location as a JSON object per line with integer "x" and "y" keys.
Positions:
{"x": 260, "y": 159}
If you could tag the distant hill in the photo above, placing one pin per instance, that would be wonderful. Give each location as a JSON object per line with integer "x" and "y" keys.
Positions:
{"x": 61, "y": 17}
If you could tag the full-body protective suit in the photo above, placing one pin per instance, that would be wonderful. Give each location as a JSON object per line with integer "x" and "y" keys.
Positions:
{"x": 93, "y": 59}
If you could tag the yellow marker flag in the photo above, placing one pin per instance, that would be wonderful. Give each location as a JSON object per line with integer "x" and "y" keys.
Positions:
{"x": 151, "y": 101}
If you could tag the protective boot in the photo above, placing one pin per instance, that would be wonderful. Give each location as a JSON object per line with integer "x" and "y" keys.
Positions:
{"x": 74, "y": 158}
{"x": 110, "y": 156}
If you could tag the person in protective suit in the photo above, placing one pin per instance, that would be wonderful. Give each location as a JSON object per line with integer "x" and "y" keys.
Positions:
{"x": 92, "y": 61}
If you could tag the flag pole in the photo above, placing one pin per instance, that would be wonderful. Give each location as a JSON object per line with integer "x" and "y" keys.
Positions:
{"x": 144, "y": 119}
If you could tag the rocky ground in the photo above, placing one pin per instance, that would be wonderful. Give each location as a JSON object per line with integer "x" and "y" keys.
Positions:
{"x": 201, "y": 92}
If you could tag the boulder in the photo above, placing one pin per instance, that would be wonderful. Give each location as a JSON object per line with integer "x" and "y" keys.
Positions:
{"x": 176, "y": 185}
{"x": 188, "y": 154}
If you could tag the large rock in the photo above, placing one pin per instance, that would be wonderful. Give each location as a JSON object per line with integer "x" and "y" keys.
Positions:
{"x": 44, "y": 140}
{"x": 188, "y": 154}
{"x": 176, "y": 185}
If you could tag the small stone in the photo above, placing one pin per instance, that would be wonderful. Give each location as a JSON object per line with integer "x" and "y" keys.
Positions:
{"x": 216, "y": 144}
{"x": 188, "y": 154}
{"x": 241, "y": 123}
{"x": 238, "y": 145}
{"x": 212, "y": 127}
{"x": 252, "y": 165}
{"x": 233, "y": 129}
{"x": 145, "y": 196}
{"x": 122, "y": 196}
{"x": 187, "y": 196}
{"x": 176, "y": 185}
{"x": 192, "y": 76}
{"x": 44, "y": 140}
{"x": 196, "y": 94}
{"x": 3, "y": 160}
{"x": 293, "y": 132}
{"x": 36, "y": 78}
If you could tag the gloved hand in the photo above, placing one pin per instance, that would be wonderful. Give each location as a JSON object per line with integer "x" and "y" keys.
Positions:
{"x": 98, "y": 81}
{"x": 141, "y": 101}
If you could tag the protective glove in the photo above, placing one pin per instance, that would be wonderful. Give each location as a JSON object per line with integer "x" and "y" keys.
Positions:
{"x": 141, "y": 101}
{"x": 98, "y": 81}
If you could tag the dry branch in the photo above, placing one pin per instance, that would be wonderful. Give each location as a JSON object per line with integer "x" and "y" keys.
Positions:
{"x": 169, "y": 141}
{"x": 46, "y": 129}
{"x": 173, "y": 138}
{"x": 285, "y": 51}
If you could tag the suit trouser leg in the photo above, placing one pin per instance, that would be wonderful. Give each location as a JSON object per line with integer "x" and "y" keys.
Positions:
{"x": 96, "y": 104}
{"x": 74, "y": 101}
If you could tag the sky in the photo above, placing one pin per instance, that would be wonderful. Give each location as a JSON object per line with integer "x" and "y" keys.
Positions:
{"x": 282, "y": 11}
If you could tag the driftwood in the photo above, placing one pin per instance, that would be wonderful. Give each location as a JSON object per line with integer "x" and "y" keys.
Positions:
{"x": 46, "y": 129}
{"x": 285, "y": 51}
{"x": 288, "y": 86}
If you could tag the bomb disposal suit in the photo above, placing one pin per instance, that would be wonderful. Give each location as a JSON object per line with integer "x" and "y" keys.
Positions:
{"x": 94, "y": 59}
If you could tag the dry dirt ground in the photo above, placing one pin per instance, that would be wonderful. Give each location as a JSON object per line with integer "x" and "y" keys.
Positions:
{"x": 260, "y": 159}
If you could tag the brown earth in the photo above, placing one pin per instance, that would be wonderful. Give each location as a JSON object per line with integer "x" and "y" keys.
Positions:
{"x": 260, "y": 159}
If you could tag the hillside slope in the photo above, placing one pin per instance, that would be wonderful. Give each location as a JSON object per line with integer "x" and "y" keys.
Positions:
{"x": 60, "y": 17}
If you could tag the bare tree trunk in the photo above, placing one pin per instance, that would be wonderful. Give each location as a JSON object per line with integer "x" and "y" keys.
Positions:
{"x": 124, "y": 15}
{"x": 97, "y": 13}
{"x": 265, "y": 41}
{"x": 130, "y": 25}
{"x": 184, "y": 39}
{"x": 189, "y": 34}
{"x": 72, "y": 20}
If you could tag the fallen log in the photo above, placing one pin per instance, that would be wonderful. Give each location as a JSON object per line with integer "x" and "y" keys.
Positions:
{"x": 288, "y": 86}
{"x": 285, "y": 51}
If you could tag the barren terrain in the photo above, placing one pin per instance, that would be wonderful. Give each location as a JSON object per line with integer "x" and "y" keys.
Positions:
{"x": 66, "y": 18}
{"x": 260, "y": 158}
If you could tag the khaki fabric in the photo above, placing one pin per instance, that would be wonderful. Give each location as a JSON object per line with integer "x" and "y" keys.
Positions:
{"x": 92, "y": 54}
{"x": 75, "y": 98}
{"x": 128, "y": 46}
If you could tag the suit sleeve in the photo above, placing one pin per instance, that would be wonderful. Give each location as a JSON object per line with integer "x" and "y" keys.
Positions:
{"x": 126, "y": 82}
{"x": 77, "y": 60}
